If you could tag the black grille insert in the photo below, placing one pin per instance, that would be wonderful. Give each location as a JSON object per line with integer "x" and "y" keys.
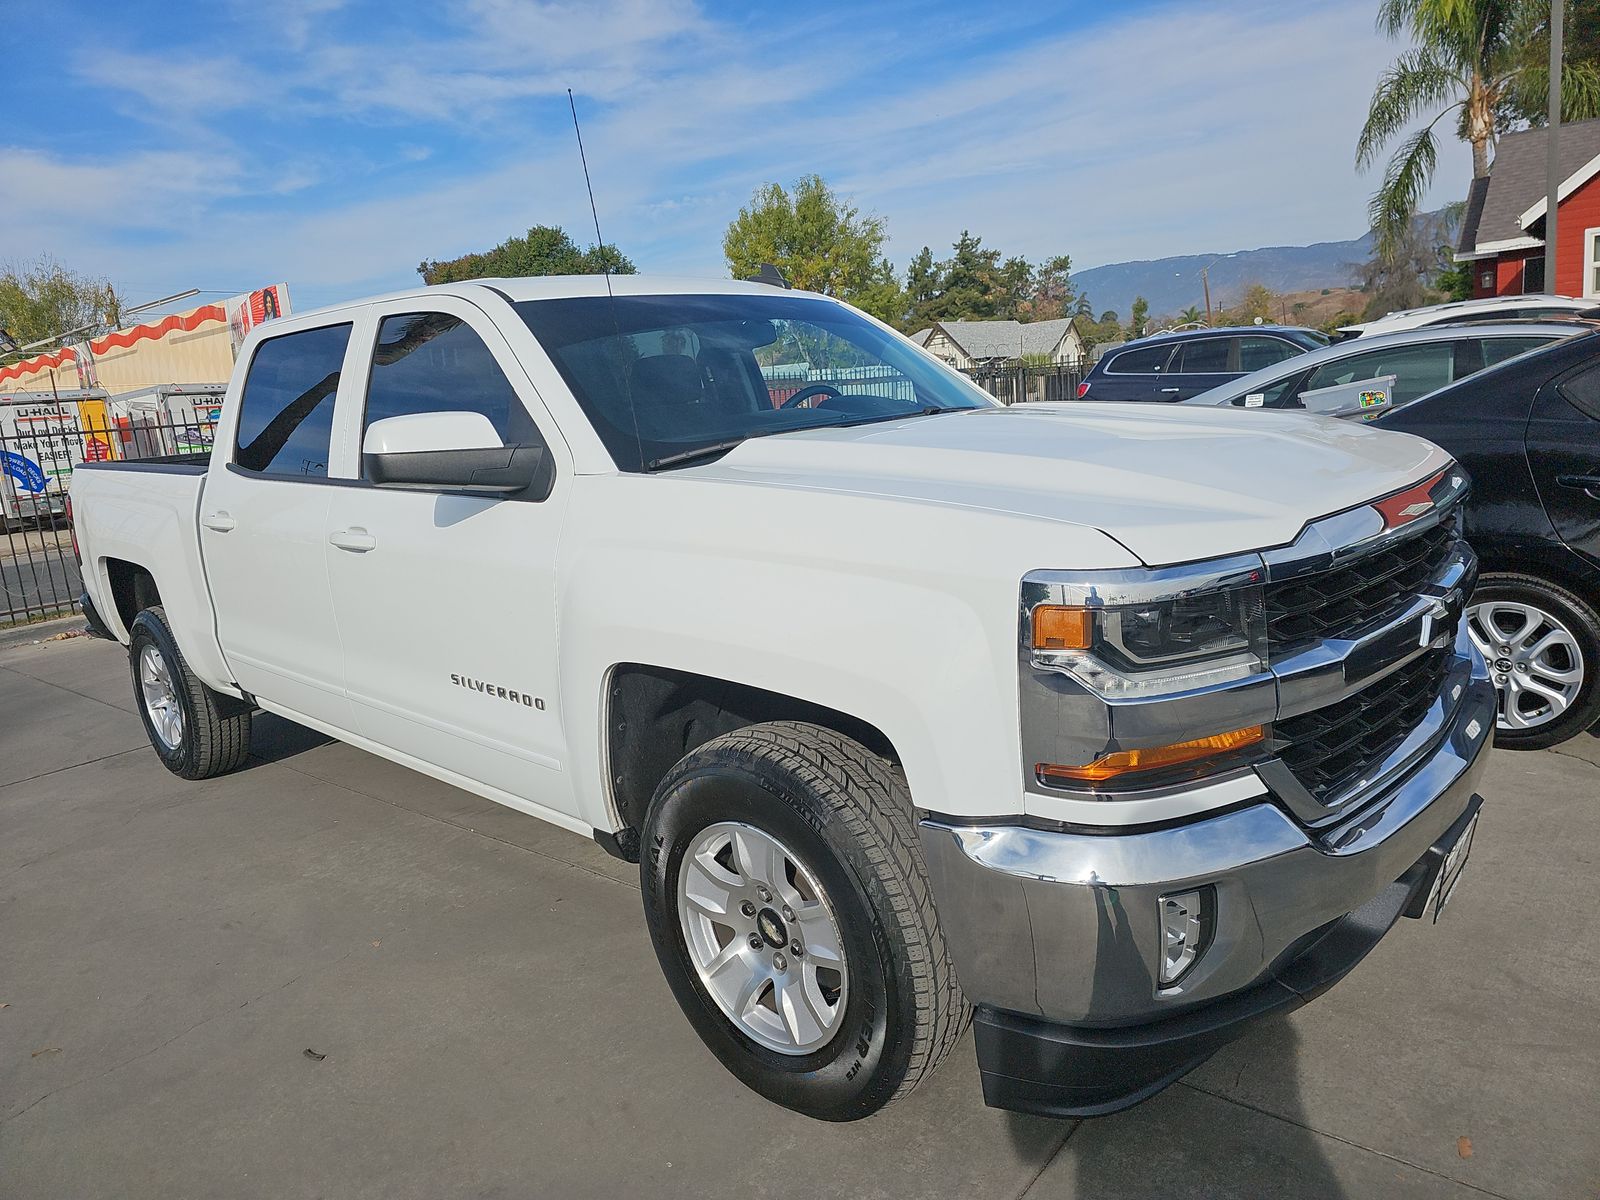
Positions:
{"x": 1329, "y": 748}
{"x": 1338, "y": 602}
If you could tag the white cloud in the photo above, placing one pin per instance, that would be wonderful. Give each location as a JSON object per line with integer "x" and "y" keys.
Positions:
{"x": 1190, "y": 128}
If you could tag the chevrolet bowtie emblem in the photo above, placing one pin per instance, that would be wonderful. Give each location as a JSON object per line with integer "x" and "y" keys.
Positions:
{"x": 1416, "y": 510}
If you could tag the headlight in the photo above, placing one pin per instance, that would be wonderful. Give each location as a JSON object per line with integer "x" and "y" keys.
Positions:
{"x": 1133, "y": 642}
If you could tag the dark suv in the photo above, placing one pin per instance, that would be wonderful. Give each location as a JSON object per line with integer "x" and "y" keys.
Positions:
{"x": 1174, "y": 366}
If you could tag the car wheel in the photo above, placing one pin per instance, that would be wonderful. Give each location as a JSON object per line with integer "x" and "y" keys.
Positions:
{"x": 1542, "y": 644}
{"x": 195, "y": 731}
{"x": 786, "y": 895}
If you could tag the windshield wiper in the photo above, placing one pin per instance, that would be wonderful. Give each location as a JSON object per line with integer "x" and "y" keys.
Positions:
{"x": 686, "y": 456}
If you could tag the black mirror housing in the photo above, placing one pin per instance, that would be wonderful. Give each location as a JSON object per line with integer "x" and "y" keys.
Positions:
{"x": 496, "y": 469}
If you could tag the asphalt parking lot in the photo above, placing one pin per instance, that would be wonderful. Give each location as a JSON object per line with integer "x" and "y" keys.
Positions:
{"x": 326, "y": 975}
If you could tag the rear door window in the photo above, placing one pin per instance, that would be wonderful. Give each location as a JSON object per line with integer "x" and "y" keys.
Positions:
{"x": 1497, "y": 350}
{"x": 1144, "y": 360}
{"x": 1208, "y": 356}
{"x": 1418, "y": 369}
{"x": 1257, "y": 352}
{"x": 286, "y": 406}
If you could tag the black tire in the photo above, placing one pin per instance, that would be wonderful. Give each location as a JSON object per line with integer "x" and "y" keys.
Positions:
{"x": 1581, "y": 620}
{"x": 846, "y": 812}
{"x": 215, "y": 735}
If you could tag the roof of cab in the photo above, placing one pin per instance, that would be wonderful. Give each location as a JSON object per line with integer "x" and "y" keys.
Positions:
{"x": 558, "y": 287}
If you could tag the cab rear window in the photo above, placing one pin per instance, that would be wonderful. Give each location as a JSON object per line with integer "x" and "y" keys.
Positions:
{"x": 286, "y": 408}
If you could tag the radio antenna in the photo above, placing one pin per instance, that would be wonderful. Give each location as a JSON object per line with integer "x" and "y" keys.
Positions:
{"x": 605, "y": 267}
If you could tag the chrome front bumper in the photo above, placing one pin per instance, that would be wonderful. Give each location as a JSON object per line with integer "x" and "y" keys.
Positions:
{"x": 1064, "y": 925}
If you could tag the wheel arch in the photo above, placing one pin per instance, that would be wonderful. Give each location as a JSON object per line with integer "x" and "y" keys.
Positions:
{"x": 656, "y": 715}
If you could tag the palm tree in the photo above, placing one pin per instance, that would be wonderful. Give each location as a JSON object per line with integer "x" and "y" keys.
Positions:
{"x": 1190, "y": 316}
{"x": 1475, "y": 59}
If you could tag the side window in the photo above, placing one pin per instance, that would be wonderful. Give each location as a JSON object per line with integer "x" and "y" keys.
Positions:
{"x": 1583, "y": 390}
{"x": 1258, "y": 352}
{"x": 1497, "y": 350}
{"x": 1418, "y": 369}
{"x": 286, "y": 408}
{"x": 433, "y": 362}
{"x": 1144, "y": 360}
{"x": 1272, "y": 396}
{"x": 1207, "y": 356}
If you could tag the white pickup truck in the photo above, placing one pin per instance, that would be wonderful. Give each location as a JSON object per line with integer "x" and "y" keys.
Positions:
{"x": 1108, "y": 731}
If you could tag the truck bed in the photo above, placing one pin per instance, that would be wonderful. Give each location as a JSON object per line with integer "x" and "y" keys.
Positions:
{"x": 146, "y": 513}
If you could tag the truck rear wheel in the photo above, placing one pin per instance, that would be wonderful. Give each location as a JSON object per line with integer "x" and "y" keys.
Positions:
{"x": 195, "y": 731}
{"x": 785, "y": 892}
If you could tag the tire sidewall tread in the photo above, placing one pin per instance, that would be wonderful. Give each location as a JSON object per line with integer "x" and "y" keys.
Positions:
{"x": 849, "y": 811}
{"x": 1579, "y": 616}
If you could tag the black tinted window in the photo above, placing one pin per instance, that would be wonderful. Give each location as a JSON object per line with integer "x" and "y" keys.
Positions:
{"x": 1258, "y": 352}
{"x": 433, "y": 362}
{"x": 286, "y": 410}
{"x": 1143, "y": 360}
{"x": 1209, "y": 355}
{"x": 1583, "y": 390}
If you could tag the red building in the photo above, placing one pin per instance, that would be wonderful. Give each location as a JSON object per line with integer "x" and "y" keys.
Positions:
{"x": 1502, "y": 233}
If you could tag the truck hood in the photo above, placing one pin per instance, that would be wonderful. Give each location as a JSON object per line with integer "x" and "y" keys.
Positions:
{"x": 1171, "y": 483}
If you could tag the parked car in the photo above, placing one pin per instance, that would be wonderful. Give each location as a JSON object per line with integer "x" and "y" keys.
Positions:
{"x": 1458, "y": 312}
{"x": 1529, "y": 434}
{"x": 1174, "y": 366}
{"x": 1341, "y": 379}
{"x": 911, "y": 707}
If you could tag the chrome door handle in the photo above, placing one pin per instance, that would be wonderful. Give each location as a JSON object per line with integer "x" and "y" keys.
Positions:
{"x": 356, "y": 539}
{"x": 1587, "y": 483}
{"x": 1169, "y": 389}
{"x": 221, "y": 522}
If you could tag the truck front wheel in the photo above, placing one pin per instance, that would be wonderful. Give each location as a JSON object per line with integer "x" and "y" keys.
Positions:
{"x": 786, "y": 895}
{"x": 195, "y": 731}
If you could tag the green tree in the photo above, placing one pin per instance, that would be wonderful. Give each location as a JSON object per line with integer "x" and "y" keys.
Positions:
{"x": 1470, "y": 59}
{"x": 1140, "y": 317}
{"x": 1050, "y": 296}
{"x": 924, "y": 283}
{"x": 1190, "y": 316}
{"x": 1259, "y": 303}
{"x": 543, "y": 250}
{"x": 1528, "y": 99}
{"x": 43, "y": 299}
{"x": 821, "y": 243}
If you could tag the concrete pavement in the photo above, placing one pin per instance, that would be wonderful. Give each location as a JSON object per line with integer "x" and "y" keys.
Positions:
{"x": 492, "y": 1021}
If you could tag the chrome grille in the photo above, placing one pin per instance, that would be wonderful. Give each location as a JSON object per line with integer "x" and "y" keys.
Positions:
{"x": 1328, "y": 748}
{"x": 1337, "y": 602}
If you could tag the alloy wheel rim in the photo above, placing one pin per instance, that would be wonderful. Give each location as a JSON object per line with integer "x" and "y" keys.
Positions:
{"x": 763, "y": 938}
{"x": 160, "y": 697}
{"x": 1534, "y": 659}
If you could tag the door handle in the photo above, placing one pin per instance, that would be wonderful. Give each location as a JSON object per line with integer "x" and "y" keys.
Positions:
{"x": 1169, "y": 389}
{"x": 356, "y": 539}
{"x": 1587, "y": 483}
{"x": 221, "y": 522}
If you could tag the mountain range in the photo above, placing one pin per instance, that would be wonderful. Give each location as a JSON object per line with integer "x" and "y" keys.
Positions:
{"x": 1172, "y": 284}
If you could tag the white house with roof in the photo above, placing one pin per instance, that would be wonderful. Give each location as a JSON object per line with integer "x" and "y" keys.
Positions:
{"x": 968, "y": 344}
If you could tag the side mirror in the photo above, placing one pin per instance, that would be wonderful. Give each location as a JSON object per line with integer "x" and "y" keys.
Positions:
{"x": 447, "y": 450}
{"x": 1364, "y": 398}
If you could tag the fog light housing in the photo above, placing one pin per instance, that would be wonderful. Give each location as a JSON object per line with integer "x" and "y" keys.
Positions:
{"x": 1185, "y": 932}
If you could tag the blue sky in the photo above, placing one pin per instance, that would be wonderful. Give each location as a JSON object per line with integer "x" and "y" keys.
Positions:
{"x": 335, "y": 144}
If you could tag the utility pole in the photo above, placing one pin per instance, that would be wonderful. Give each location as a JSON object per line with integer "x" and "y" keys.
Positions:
{"x": 1205, "y": 280}
{"x": 1552, "y": 170}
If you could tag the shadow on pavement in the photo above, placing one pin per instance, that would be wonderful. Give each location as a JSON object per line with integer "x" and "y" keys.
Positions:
{"x": 272, "y": 739}
{"x": 1187, "y": 1143}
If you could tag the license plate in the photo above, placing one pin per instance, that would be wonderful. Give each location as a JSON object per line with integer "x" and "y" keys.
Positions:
{"x": 1455, "y": 862}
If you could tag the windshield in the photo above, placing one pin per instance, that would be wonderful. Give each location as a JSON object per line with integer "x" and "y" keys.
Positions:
{"x": 681, "y": 377}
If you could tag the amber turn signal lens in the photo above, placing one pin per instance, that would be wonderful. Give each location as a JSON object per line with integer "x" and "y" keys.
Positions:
{"x": 1123, "y": 762}
{"x": 1057, "y": 627}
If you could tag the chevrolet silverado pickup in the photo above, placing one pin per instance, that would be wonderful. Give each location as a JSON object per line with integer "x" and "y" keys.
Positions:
{"x": 1107, "y": 732}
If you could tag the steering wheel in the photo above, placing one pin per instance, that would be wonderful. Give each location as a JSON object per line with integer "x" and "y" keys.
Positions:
{"x": 805, "y": 393}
